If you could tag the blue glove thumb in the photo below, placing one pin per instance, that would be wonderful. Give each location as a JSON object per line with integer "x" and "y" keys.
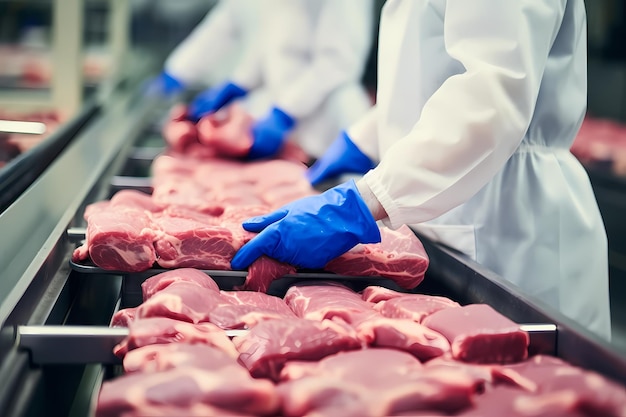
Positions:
{"x": 213, "y": 99}
{"x": 258, "y": 223}
{"x": 342, "y": 156}
{"x": 269, "y": 134}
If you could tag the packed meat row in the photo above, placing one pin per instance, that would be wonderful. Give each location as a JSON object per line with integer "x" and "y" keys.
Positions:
{"x": 193, "y": 219}
{"x": 325, "y": 350}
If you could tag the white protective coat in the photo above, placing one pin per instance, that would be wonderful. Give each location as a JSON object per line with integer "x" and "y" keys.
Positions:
{"x": 478, "y": 103}
{"x": 304, "y": 56}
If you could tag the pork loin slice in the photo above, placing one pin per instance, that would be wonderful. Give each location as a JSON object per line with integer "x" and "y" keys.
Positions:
{"x": 119, "y": 240}
{"x": 271, "y": 343}
{"x": 413, "y": 306}
{"x": 478, "y": 333}
{"x": 161, "y": 281}
{"x": 344, "y": 385}
{"x": 161, "y": 330}
{"x": 123, "y": 317}
{"x": 319, "y": 302}
{"x": 248, "y": 308}
{"x": 183, "y": 301}
{"x": 183, "y": 388}
{"x": 400, "y": 256}
{"x": 376, "y": 294}
{"x": 403, "y": 334}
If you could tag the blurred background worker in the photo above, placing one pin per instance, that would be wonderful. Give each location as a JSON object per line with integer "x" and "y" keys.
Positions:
{"x": 472, "y": 129}
{"x": 299, "y": 71}
{"x": 211, "y": 52}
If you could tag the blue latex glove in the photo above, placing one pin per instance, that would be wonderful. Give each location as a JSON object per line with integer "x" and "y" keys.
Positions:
{"x": 213, "y": 99}
{"x": 310, "y": 232}
{"x": 269, "y": 134}
{"x": 342, "y": 156}
{"x": 164, "y": 85}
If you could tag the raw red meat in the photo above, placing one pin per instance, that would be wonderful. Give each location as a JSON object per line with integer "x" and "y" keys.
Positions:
{"x": 263, "y": 271}
{"x": 157, "y": 358}
{"x": 227, "y": 132}
{"x": 403, "y": 334}
{"x": 478, "y": 333}
{"x": 179, "y": 134}
{"x": 413, "y": 306}
{"x": 119, "y": 240}
{"x": 271, "y": 343}
{"x": 187, "y": 243}
{"x": 375, "y": 294}
{"x": 326, "y": 301}
{"x": 192, "y": 410}
{"x": 400, "y": 256}
{"x": 349, "y": 384}
{"x": 161, "y": 330}
{"x": 183, "y": 301}
{"x": 184, "y": 387}
{"x": 248, "y": 308}
{"x": 123, "y": 317}
{"x": 161, "y": 281}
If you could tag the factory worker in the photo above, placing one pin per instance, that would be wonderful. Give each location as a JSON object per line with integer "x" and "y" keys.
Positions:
{"x": 477, "y": 106}
{"x": 211, "y": 52}
{"x": 302, "y": 78}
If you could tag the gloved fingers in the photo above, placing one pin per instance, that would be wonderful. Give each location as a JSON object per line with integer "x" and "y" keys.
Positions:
{"x": 318, "y": 172}
{"x": 258, "y": 223}
{"x": 263, "y": 244}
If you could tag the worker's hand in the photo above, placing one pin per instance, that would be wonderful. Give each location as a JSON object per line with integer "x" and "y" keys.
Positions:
{"x": 269, "y": 134}
{"x": 213, "y": 99}
{"x": 164, "y": 85}
{"x": 310, "y": 232}
{"x": 342, "y": 156}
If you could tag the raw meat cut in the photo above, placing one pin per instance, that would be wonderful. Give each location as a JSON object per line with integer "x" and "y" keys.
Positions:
{"x": 123, "y": 317}
{"x": 400, "y": 256}
{"x": 248, "y": 308}
{"x": 183, "y": 301}
{"x": 413, "y": 306}
{"x": 376, "y": 294}
{"x": 263, "y": 271}
{"x": 161, "y": 281}
{"x": 184, "y": 387}
{"x": 478, "y": 333}
{"x": 157, "y": 358}
{"x": 179, "y": 134}
{"x": 192, "y": 410}
{"x": 161, "y": 330}
{"x": 343, "y": 385}
{"x": 227, "y": 132}
{"x": 119, "y": 240}
{"x": 271, "y": 343}
{"x": 403, "y": 334}
{"x": 186, "y": 243}
{"x": 319, "y": 302}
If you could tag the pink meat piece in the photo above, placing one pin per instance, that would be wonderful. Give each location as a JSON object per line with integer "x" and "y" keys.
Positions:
{"x": 161, "y": 330}
{"x": 161, "y": 281}
{"x": 375, "y": 294}
{"x": 271, "y": 343}
{"x": 227, "y": 132}
{"x": 183, "y": 301}
{"x": 133, "y": 199}
{"x": 119, "y": 240}
{"x": 263, "y": 271}
{"x": 402, "y": 334}
{"x": 186, "y": 243}
{"x": 178, "y": 190}
{"x": 319, "y": 302}
{"x": 123, "y": 317}
{"x": 400, "y": 256}
{"x": 179, "y": 134}
{"x": 183, "y": 388}
{"x": 158, "y": 358}
{"x": 413, "y": 306}
{"x": 595, "y": 394}
{"x": 340, "y": 385}
{"x": 478, "y": 333}
{"x": 248, "y": 308}
{"x": 192, "y": 410}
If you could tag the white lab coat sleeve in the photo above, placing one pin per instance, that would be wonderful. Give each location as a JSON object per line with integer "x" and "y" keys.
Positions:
{"x": 364, "y": 134}
{"x": 205, "y": 46}
{"x": 342, "y": 41}
{"x": 474, "y": 122}
{"x": 248, "y": 72}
